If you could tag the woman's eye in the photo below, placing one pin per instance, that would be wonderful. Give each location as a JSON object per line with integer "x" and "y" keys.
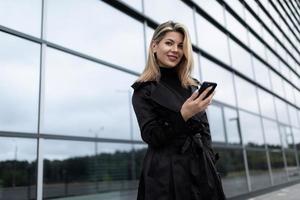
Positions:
{"x": 180, "y": 46}
{"x": 168, "y": 43}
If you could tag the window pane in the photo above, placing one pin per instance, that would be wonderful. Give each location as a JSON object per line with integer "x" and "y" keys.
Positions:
{"x": 258, "y": 169}
{"x": 212, "y": 72}
{"x": 101, "y": 169}
{"x": 216, "y": 123}
{"x": 241, "y": 59}
{"x": 251, "y": 130}
{"x": 246, "y": 95}
{"x": 293, "y": 116}
{"x": 251, "y": 21}
{"x": 19, "y": 84}
{"x": 232, "y": 170}
{"x": 288, "y": 92}
{"x": 281, "y": 110}
{"x": 149, "y": 34}
{"x": 212, "y": 39}
{"x": 297, "y": 95}
{"x": 18, "y": 168}
{"x": 268, "y": 38}
{"x": 24, "y": 16}
{"x": 84, "y": 99}
{"x": 231, "y": 123}
{"x": 88, "y": 30}
{"x": 277, "y": 84}
{"x": 266, "y": 102}
{"x": 213, "y": 8}
{"x": 293, "y": 170}
{"x": 237, "y": 6}
{"x": 236, "y": 28}
{"x": 296, "y": 133}
{"x": 162, "y": 11}
{"x": 272, "y": 59}
{"x": 137, "y": 4}
{"x": 196, "y": 70}
{"x": 272, "y": 134}
{"x": 278, "y": 169}
{"x": 257, "y": 46}
{"x": 290, "y": 158}
{"x": 286, "y": 137}
{"x": 261, "y": 73}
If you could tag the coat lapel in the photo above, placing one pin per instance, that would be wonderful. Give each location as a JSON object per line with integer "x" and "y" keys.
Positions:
{"x": 166, "y": 97}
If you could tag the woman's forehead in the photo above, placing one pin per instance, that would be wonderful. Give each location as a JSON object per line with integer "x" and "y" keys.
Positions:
{"x": 174, "y": 36}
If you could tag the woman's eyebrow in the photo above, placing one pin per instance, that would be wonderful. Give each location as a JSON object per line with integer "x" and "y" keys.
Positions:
{"x": 173, "y": 40}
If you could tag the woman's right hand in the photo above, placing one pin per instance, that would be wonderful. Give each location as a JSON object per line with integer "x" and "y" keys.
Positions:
{"x": 195, "y": 105}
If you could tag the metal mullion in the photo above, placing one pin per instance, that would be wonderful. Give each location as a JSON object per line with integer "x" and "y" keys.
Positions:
{"x": 262, "y": 22}
{"x": 279, "y": 28}
{"x": 133, "y": 13}
{"x": 20, "y": 34}
{"x": 40, "y": 156}
{"x": 145, "y": 32}
{"x": 264, "y": 136}
{"x": 224, "y": 124}
{"x": 197, "y": 43}
{"x": 196, "y": 49}
{"x": 262, "y": 40}
{"x": 288, "y": 14}
{"x": 292, "y": 10}
{"x": 266, "y": 44}
{"x": 238, "y": 118}
{"x": 225, "y": 66}
{"x": 283, "y": 19}
{"x": 88, "y": 139}
{"x": 227, "y": 146}
{"x": 295, "y": 11}
{"x": 18, "y": 134}
{"x": 292, "y": 20}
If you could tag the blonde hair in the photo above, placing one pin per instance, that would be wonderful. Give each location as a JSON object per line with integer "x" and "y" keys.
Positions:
{"x": 185, "y": 66}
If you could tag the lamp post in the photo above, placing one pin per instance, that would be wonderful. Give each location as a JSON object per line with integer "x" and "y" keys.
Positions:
{"x": 97, "y": 132}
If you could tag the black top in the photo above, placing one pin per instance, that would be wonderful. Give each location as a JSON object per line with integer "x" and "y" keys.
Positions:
{"x": 170, "y": 77}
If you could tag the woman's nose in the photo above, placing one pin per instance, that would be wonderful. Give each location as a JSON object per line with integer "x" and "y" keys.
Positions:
{"x": 174, "y": 48}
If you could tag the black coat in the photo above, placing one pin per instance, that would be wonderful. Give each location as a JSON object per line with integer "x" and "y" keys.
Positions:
{"x": 180, "y": 162}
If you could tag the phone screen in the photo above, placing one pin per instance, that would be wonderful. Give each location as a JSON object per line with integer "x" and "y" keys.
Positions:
{"x": 205, "y": 85}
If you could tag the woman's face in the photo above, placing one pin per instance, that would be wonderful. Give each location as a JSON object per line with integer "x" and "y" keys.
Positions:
{"x": 169, "y": 50}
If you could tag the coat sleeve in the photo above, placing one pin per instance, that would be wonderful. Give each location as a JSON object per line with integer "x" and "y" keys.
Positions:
{"x": 155, "y": 131}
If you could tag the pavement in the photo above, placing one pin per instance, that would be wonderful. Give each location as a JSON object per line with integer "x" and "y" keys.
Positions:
{"x": 286, "y": 193}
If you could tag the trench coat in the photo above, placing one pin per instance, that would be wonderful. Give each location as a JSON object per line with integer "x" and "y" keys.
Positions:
{"x": 179, "y": 163}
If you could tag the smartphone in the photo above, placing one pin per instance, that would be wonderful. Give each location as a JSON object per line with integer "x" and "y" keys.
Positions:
{"x": 205, "y": 85}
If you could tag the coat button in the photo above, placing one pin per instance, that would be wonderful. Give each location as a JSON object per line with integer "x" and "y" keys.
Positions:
{"x": 166, "y": 124}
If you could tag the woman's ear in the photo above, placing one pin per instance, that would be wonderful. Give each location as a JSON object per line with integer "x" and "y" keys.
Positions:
{"x": 154, "y": 46}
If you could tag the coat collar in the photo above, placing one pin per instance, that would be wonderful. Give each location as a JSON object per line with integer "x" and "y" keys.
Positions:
{"x": 163, "y": 95}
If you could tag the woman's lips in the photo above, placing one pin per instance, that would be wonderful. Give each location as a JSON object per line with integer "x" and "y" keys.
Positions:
{"x": 172, "y": 58}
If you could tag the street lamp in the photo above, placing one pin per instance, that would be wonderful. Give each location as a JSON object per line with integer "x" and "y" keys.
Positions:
{"x": 97, "y": 132}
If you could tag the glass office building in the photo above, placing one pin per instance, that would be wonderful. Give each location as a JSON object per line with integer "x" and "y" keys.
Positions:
{"x": 67, "y": 127}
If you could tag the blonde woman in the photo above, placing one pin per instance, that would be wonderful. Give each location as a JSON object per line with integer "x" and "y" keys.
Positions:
{"x": 180, "y": 162}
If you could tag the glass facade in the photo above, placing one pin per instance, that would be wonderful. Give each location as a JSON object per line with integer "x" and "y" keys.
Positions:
{"x": 67, "y": 127}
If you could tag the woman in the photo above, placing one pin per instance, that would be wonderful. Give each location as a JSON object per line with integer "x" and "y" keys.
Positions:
{"x": 180, "y": 162}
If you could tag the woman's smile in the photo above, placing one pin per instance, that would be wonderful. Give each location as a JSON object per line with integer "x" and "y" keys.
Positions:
{"x": 169, "y": 50}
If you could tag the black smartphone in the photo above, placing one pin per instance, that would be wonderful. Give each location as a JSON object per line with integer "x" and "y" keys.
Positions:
{"x": 205, "y": 85}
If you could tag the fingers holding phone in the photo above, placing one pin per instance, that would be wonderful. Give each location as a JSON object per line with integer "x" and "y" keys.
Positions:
{"x": 198, "y": 101}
